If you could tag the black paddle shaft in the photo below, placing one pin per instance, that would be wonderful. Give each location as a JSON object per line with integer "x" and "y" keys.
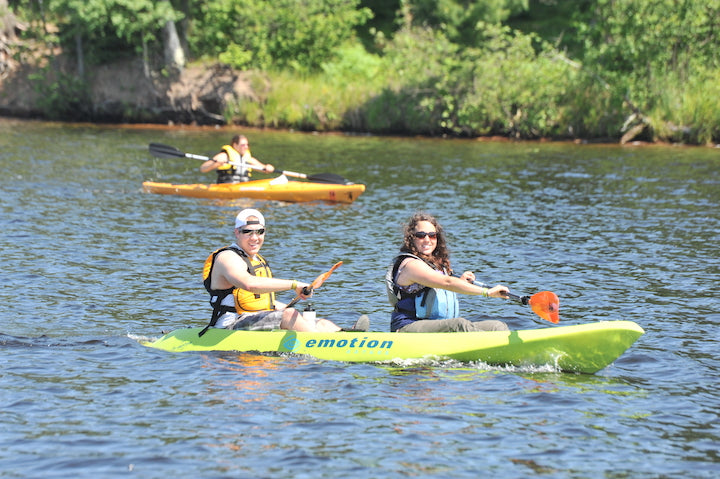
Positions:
{"x": 525, "y": 300}
{"x": 166, "y": 151}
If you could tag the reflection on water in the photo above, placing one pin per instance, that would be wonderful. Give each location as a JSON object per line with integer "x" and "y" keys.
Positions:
{"x": 91, "y": 264}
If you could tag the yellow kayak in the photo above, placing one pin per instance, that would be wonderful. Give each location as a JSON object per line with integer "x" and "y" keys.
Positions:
{"x": 279, "y": 189}
{"x": 583, "y": 348}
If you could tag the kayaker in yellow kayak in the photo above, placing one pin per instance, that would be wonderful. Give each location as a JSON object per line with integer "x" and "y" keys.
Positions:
{"x": 421, "y": 286}
{"x": 234, "y": 162}
{"x": 242, "y": 288}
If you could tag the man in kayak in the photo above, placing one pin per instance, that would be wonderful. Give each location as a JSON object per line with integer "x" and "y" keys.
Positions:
{"x": 242, "y": 288}
{"x": 234, "y": 162}
{"x": 421, "y": 286}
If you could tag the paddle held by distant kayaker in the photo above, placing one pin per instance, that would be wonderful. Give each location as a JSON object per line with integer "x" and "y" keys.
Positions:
{"x": 242, "y": 288}
{"x": 234, "y": 162}
{"x": 421, "y": 286}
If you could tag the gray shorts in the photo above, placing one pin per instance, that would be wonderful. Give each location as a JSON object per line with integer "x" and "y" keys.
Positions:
{"x": 261, "y": 321}
{"x": 452, "y": 325}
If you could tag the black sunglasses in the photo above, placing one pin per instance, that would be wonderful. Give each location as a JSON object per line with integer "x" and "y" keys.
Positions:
{"x": 260, "y": 231}
{"x": 422, "y": 234}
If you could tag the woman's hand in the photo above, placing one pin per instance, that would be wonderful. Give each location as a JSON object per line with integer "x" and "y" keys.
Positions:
{"x": 468, "y": 276}
{"x": 498, "y": 291}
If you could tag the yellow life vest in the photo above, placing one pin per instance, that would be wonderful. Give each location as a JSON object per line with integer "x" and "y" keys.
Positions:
{"x": 235, "y": 157}
{"x": 244, "y": 301}
{"x": 247, "y": 302}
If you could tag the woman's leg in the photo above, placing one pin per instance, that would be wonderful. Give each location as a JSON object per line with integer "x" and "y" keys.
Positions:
{"x": 452, "y": 325}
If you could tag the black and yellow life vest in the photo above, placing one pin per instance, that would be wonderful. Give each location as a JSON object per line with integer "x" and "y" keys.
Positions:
{"x": 244, "y": 301}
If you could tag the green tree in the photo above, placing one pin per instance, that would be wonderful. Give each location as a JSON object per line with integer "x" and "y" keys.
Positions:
{"x": 503, "y": 87}
{"x": 292, "y": 34}
{"x": 640, "y": 38}
{"x": 462, "y": 21}
{"x": 101, "y": 29}
{"x": 652, "y": 55}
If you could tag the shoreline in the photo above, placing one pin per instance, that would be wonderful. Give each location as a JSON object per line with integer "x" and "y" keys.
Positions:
{"x": 233, "y": 128}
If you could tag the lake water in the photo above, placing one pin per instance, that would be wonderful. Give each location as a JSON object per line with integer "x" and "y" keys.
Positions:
{"x": 92, "y": 265}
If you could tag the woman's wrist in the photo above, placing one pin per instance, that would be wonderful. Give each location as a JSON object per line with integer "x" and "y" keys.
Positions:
{"x": 293, "y": 285}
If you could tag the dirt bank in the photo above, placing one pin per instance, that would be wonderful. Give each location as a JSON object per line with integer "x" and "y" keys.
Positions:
{"x": 123, "y": 92}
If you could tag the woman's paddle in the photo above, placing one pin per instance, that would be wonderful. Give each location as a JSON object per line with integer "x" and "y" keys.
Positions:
{"x": 317, "y": 282}
{"x": 166, "y": 151}
{"x": 545, "y": 304}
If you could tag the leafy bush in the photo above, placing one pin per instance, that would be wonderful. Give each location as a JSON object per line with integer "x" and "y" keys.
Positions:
{"x": 61, "y": 96}
{"x": 685, "y": 111}
{"x": 419, "y": 92}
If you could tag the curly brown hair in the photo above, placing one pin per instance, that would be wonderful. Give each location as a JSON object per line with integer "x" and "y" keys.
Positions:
{"x": 440, "y": 258}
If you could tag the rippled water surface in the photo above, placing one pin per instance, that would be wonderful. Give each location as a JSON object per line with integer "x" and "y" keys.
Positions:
{"x": 91, "y": 265}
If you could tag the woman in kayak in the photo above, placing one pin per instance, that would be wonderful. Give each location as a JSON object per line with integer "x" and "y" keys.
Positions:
{"x": 242, "y": 288}
{"x": 234, "y": 162}
{"x": 421, "y": 286}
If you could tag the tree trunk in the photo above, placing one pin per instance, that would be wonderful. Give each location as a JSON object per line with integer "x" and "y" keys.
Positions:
{"x": 145, "y": 61}
{"x": 174, "y": 54}
{"x": 80, "y": 56}
{"x": 7, "y": 22}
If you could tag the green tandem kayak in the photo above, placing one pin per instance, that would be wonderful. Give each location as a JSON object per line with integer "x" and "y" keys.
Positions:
{"x": 585, "y": 348}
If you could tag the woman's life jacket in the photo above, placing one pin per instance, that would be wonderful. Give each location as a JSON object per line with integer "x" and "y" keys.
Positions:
{"x": 236, "y": 171}
{"x": 416, "y": 301}
{"x": 237, "y": 300}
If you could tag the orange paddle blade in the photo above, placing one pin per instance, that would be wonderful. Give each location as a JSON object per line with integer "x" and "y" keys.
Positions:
{"x": 546, "y": 304}
{"x": 317, "y": 282}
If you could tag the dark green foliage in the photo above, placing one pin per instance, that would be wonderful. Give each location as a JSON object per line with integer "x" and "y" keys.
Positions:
{"x": 462, "y": 21}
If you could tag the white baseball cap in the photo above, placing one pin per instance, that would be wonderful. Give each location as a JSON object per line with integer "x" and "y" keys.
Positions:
{"x": 242, "y": 218}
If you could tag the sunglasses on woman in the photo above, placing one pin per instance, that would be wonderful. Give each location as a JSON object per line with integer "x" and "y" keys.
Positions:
{"x": 422, "y": 234}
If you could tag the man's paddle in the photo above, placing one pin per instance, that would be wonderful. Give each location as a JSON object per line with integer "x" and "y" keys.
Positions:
{"x": 545, "y": 304}
{"x": 317, "y": 282}
{"x": 166, "y": 151}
